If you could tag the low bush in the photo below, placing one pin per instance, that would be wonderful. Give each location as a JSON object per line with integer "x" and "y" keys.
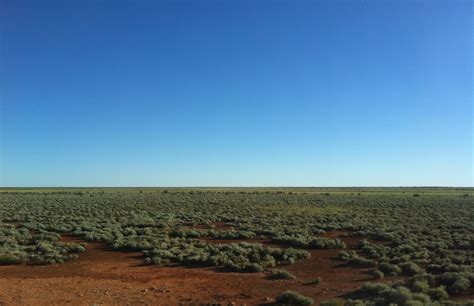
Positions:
{"x": 280, "y": 274}
{"x": 438, "y": 293}
{"x": 373, "y": 289}
{"x": 421, "y": 297}
{"x": 326, "y": 243}
{"x": 389, "y": 269}
{"x": 303, "y": 241}
{"x": 360, "y": 261}
{"x": 294, "y": 298}
{"x": 377, "y": 274}
{"x": 459, "y": 286}
{"x": 314, "y": 282}
{"x": 344, "y": 255}
{"x": 410, "y": 269}
{"x": 398, "y": 296}
{"x": 11, "y": 258}
{"x": 420, "y": 286}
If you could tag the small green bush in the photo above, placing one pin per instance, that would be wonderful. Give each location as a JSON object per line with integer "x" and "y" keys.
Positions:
{"x": 398, "y": 296}
{"x": 377, "y": 274}
{"x": 344, "y": 255}
{"x": 459, "y": 286}
{"x": 294, "y": 298}
{"x": 360, "y": 261}
{"x": 8, "y": 259}
{"x": 420, "y": 286}
{"x": 280, "y": 274}
{"x": 389, "y": 269}
{"x": 373, "y": 288}
{"x": 314, "y": 282}
{"x": 411, "y": 269}
{"x": 421, "y": 297}
{"x": 438, "y": 293}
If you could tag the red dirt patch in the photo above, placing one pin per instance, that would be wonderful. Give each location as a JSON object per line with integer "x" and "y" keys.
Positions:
{"x": 221, "y": 226}
{"x": 102, "y": 276}
{"x": 468, "y": 295}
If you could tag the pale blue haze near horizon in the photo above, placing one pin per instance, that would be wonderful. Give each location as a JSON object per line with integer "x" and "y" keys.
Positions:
{"x": 236, "y": 93}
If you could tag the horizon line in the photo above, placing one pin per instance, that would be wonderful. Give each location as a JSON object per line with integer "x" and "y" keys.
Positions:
{"x": 211, "y": 186}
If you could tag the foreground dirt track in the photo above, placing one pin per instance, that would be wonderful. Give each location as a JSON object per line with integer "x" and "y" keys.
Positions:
{"x": 101, "y": 276}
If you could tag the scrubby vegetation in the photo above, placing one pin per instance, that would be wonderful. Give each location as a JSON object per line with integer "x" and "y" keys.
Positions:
{"x": 280, "y": 274}
{"x": 400, "y": 294}
{"x": 241, "y": 257}
{"x": 19, "y": 245}
{"x": 294, "y": 298}
{"x": 426, "y": 241}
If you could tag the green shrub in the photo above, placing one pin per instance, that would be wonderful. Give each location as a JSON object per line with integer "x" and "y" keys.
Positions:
{"x": 438, "y": 293}
{"x": 314, "y": 282}
{"x": 411, "y": 269}
{"x": 11, "y": 258}
{"x": 303, "y": 241}
{"x": 420, "y": 286}
{"x": 377, "y": 274}
{"x": 360, "y": 261}
{"x": 459, "y": 286}
{"x": 389, "y": 269}
{"x": 373, "y": 288}
{"x": 421, "y": 297}
{"x": 252, "y": 267}
{"x": 280, "y": 274}
{"x": 344, "y": 255}
{"x": 294, "y": 298}
{"x": 399, "y": 296}
{"x": 326, "y": 243}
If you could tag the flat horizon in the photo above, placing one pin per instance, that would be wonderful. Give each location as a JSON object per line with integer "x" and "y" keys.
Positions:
{"x": 231, "y": 187}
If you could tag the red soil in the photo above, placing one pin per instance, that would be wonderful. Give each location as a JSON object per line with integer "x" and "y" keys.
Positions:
{"x": 101, "y": 276}
{"x": 221, "y": 226}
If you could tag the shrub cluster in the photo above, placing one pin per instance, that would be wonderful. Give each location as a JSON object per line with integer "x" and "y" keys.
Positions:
{"x": 18, "y": 246}
{"x": 308, "y": 242}
{"x": 238, "y": 257}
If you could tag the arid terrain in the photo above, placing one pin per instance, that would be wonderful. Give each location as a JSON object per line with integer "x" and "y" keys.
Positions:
{"x": 104, "y": 276}
{"x": 157, "y": 247}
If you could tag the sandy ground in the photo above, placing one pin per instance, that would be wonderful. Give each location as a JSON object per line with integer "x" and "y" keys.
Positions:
{"x": 104, "y": 277}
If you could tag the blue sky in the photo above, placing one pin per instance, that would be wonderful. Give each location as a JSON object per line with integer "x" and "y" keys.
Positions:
{"x": 236, "y": 93}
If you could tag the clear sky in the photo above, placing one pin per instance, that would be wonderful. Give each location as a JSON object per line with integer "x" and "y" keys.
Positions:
{"x": 236, "y": 93}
